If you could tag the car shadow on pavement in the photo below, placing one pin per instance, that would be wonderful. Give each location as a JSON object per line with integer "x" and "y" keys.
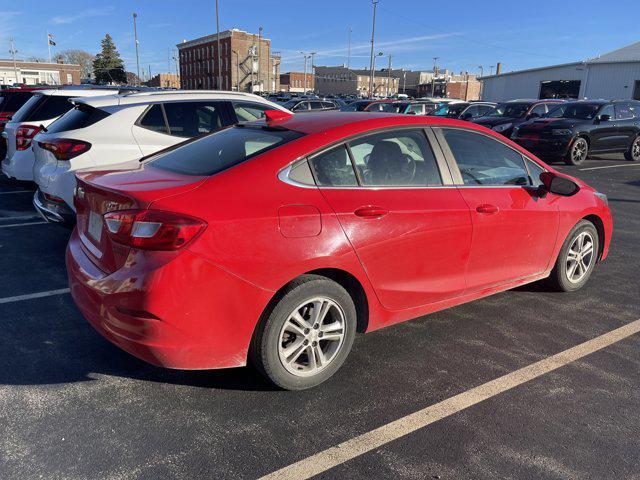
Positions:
{"x": 46, "y": 341}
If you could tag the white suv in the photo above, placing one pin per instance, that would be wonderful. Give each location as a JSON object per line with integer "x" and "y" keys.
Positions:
{"x": 43, "y": 108}
{"x": 106, "y": 132}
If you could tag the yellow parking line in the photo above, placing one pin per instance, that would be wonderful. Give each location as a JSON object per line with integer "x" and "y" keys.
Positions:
{"x": 334, "y": 456}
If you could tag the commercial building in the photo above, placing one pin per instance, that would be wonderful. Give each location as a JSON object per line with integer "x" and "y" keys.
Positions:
{"x": 342, "y": 80}
{"x": 409, "y": 80}
{"x": 246, "y": 63}
{"x": 165, "y": 80}
{"x": 614, "y": 75}
{"x": 295, "y": 82}
{"x": 37, "y": 73}
{"x": 461, "y": 86}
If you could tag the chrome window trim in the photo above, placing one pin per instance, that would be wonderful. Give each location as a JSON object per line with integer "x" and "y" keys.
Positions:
{"x": 440, "y": 158}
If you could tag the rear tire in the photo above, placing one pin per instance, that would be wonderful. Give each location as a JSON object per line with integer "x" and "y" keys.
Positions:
{"x": 577, "y": 258}
{"x": 578, "y": 152}
{"x": 306, "y": 336}
{"x": 633, "y": 154}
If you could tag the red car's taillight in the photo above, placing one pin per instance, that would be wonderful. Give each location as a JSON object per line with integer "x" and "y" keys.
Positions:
{"x": 152, "y": 229}
{"x": 24, "y": 135}
{"x": 65, "y": 149}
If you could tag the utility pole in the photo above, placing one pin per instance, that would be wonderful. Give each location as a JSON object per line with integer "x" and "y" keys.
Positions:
{"x": 373, "y": 39}
{"x": 491, "y": 70}
{"x": 219, "y": 76}
{"x": 135, "y": 35}
{"x": 481, "y": 67}
{"x": 148, "y": 79}
{"x": 349, "y": 48}
{"x": 404, "y": 82}
{"x": 13, "y": 52}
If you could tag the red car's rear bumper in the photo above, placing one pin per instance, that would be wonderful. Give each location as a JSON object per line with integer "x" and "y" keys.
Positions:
{"x": 176, "y": 311}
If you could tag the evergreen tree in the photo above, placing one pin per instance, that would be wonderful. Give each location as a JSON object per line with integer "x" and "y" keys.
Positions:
{"x": 108, "y": 67}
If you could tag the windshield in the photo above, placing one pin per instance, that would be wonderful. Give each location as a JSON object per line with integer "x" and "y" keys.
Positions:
{"x": 290, "y": 104}
{"x": 221, "y": 150}
{"x": 579, "y": 111}
{"x": 510, "y": 110}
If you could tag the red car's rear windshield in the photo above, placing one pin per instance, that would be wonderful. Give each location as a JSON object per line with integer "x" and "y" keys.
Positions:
{"x": 221, "y": 150}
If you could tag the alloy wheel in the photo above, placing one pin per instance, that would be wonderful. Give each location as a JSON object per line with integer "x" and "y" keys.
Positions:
{"x": 312, "y": 336}
{"x": 579, "y": 151}
{"x": 635, "y": 149}
{"x": 579, "y": 257}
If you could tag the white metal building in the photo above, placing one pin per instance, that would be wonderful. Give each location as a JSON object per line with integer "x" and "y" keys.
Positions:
{"x": 615, "y": 75}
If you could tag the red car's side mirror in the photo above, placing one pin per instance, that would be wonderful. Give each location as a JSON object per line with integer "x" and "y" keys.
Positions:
{"x": 559, "y": 185}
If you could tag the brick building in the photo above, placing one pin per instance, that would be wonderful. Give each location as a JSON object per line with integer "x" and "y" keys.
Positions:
{"x": 295, "y": 82}
{"x": 165, "y": 80}
{"x": 246, "y": 63}
{"x": 38, "y": 73}
{"x": 342, "y": 80}
{"x": 461, "y": 87}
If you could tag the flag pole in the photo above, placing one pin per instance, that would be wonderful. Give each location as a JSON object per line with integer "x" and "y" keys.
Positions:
{"x": 49, "y": 45}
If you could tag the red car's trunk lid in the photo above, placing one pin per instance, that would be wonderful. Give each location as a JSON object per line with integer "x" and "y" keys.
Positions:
{"x": 102, "y": 192}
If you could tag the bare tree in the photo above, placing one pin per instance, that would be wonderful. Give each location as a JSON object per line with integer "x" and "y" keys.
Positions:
{"x": 79, "y": 57}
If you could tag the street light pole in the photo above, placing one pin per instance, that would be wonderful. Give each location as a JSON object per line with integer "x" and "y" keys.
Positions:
{"x": 389, "y": 76}
{"x": 135, "y": 34}
{"x": 13, "y": 52}
{"x": 349, "y": 48}
{"x": 237, "y": 71}
{"x": 373, "y": 38}
{"x": 259, "y": 57}
{"x": 219, "y": 76}
{"x": 313, "y": 66}
{"x": 305, "y": 71}
{"x": 433, "y": 78}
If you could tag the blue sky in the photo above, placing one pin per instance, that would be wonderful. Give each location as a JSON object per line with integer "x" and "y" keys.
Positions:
{"x": 464, "y": 33}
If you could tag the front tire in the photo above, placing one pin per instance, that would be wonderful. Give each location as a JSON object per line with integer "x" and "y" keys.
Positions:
{"x": 577, "y": 258}
{"x": 578, "y": 152}
{"x": 633, "y": 154}
{"x": 306, "y": 335}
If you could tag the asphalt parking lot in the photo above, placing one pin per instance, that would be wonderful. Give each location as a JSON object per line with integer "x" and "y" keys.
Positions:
{"x": 74, "y": 406}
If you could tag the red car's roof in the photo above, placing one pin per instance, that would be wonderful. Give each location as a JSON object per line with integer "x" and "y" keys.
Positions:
{"x": 318, "y": 122}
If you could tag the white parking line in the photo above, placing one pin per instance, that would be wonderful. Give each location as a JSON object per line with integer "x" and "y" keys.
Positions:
{"x": 610, "y": 166}
{"x": 323, "y": 461}
{"x": 17, "y": 191}
{"x": 21, "y": 224}
{"x": 31, "y": 296}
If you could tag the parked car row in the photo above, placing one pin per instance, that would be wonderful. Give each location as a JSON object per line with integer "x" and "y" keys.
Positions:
{"x": 59, "y": 132}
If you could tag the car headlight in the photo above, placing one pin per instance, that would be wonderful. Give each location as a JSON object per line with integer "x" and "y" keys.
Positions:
{"x": 562, "y": 132}
{"x": 602, "y": 197}
{"x": 503, "y": 127}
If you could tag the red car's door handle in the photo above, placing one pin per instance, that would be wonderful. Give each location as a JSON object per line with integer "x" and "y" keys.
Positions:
{"x": 371, "y": 212}
{"x": 487, "y": 209}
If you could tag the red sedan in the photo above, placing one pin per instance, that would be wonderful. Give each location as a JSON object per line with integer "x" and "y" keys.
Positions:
{"x": 278, "y": 240}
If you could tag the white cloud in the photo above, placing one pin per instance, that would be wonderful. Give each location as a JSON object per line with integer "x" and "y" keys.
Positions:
{"x": 89, "y": 13}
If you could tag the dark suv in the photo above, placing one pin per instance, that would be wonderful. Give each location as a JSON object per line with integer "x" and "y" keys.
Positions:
{"x": 574, "y": 130}
{"x": 509, "y": 114}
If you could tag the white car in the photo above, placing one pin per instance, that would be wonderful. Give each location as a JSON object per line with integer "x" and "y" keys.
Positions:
{"x": 43, "y": 108}
{"x": 111, "y": 130}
